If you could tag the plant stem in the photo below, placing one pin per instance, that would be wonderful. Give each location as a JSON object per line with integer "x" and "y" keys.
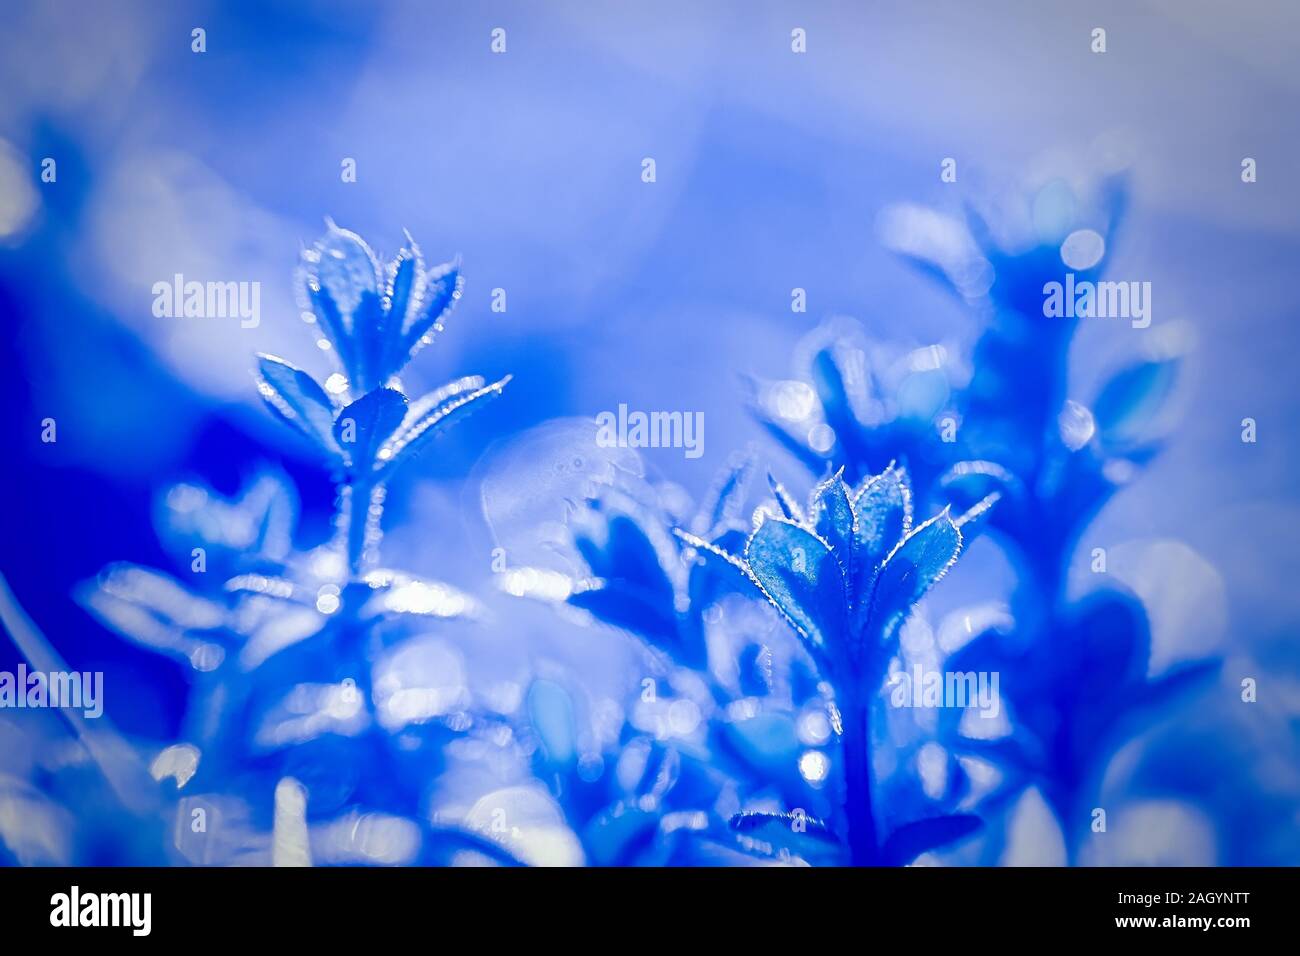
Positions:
{"x": 361, "y": 505}
{"x": 859, "y": 813}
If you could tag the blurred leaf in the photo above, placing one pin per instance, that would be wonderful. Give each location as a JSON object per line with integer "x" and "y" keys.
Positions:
{"x": 911, "y": 840}
{"x": 795, "y": 835}
{"x": 442, "y": 289}
{"x": 1130, "y": 403}
{"x": 296, "y": 398}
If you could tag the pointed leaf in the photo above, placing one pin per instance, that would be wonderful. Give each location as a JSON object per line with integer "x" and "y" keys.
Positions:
{"x": 1130, "y": 402}
{"x": 414, "y": 435}
{"x": 831, "y": 516}
{"x": 798, "y": 573}
{"x": 363, "y": 427}
{"x": 883, "y": 508}
{"x": 442, "y": 289}
{"x": 297, "y": 399}
{"x": 345, "y": 267}
{"x": 789, "y": 507}
{"x": 726, "y": 499}
{"x": 781, "y": 835}
{"x": 911, "y": 840}
{"x": 914, "y": 567}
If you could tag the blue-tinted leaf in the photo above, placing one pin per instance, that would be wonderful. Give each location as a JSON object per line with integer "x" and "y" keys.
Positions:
{"x": 257, "y": 525}
{"x": 1131, "y": 401}
{"x": 1179, "y": 682}
{"x": 346, "y": 269}
{"x": 831, "y": 516}
{"x": 158, "y": 613}
{"x": 370, "y": 340}
{"x": 550, "y": 712}
{"x": 615, "y": 836}
{"x": 967, "y": 483}
{"x": 800, "y": 576}
{"x": 403, "y": 295}
{"x": 1108, "y": 645}
{"x": 789, "y": 507}
{"x": 442, "y": 289}
{"x": 794, "y": 835}
{"x": 755, "y": 667}
{"x": 726, "y": 499}
{"x": 911, "y": 840}
{"x": 363, "y": 427}
{"x": 912, "y": 569}
{"x": 296, "y": 398}
{"x": 883, "y": 509}
{"x": 627, "y": 554}
{"x": 629, "y": 606}
{"x": 458, "y": 405}
{"x": 429, "y": 401}
{"x": 832, "y": 388}
{"x": 335, "y": 328}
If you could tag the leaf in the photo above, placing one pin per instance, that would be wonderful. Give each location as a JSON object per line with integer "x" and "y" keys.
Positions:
{"x": 726, "y": 499}
{"x": 403, "y": 294}
{"x": 625, "y": 605}
{"x": 370, "y": 343}
{"x": 798, "y": 573}
{"x": 1108, "y": 643}
{"x": 768, "y": 743}
{"x": 156, "y": 612}
{"x": 794, "y": 835}
{"x": 883, "y": 510}
{"x": 911, "y": 840}
{"x": 832, "y": 389}
{"x": 1179, "y": 682}
{"x": 345, "y": 268}
{"x": 427, "y": 402}
{"x": 363, "y": 427}
{"x": 336, "y": 273}
{"x": 914, "y": 567}
{"x": 970, "y": 482}
{"x": 297, "y": 399}
{"x": 550, "y": 712}
{"x": 442, "y": 290}
{"x": 1130, "y": 403}
{"x": 412, "y": 436}
{"x": 789, "y": 507}
{"x": 831, "y": 516}
{"x": 334, "y": 327}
